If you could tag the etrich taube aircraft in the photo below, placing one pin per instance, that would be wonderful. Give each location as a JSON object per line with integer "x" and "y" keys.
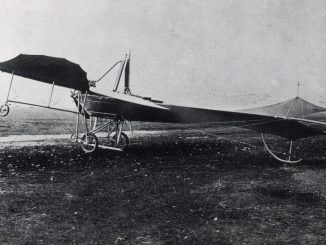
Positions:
{"x": 286, "y": 119}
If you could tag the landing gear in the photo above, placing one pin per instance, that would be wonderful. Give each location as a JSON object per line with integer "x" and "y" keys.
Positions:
{"x": 288, "y": 160}
{"x": 116, "y": 139}
{"x": 4, "y": 110}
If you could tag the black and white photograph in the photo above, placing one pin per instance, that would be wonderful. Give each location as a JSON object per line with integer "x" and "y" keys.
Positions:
{"x": 162, "y": 122}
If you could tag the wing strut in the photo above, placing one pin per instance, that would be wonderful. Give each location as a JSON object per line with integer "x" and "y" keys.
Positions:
{"x": 12, "y": 78}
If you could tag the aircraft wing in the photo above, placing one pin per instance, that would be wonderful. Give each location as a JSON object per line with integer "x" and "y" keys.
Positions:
{"x": 291, "y": 116}
{"x": 292, "y": 108}
{"x": 291, "y": 129}
{"x": 48, "y": 69}
{"x": 286, "y": 128}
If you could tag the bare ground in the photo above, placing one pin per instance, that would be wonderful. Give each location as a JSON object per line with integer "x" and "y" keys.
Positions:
{"x": 170, "y": 188}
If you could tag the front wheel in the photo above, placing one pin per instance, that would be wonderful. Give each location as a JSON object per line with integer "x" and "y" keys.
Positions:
{"x": 89, "y": 143}
{"x": 123, "y": 141}
{"x": 74, "y": 138}
{"x": 4, "y": 110}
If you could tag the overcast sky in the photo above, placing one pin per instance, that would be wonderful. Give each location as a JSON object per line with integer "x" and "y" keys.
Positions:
{"x": 200, "y": 53}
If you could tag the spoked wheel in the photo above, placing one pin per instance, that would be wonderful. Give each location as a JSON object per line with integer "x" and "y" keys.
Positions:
{"x": 4, "y": 110}
{"x": 288, "y": 160}
{"x": 123, "y": 141}
{"x": 89, "y": 142}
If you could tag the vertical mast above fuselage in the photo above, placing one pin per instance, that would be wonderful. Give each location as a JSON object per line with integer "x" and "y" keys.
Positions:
{"x": 127, "y": 76}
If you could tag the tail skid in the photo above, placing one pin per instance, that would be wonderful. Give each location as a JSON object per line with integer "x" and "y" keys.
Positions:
{"x": 278, "y": 158}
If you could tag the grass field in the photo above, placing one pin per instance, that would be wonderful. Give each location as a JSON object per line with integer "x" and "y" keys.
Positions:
{"x": 172, "y": 187}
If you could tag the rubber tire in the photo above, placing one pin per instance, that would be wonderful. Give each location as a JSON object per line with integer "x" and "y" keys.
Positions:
{"x": 86, "y": 150}
{"x": 73, "y": 138}
{"x": 3, "y": 114}
{"x": 121, "y": 135}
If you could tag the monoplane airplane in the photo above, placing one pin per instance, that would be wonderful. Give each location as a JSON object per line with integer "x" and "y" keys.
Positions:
{"x": 286, "y": 119}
